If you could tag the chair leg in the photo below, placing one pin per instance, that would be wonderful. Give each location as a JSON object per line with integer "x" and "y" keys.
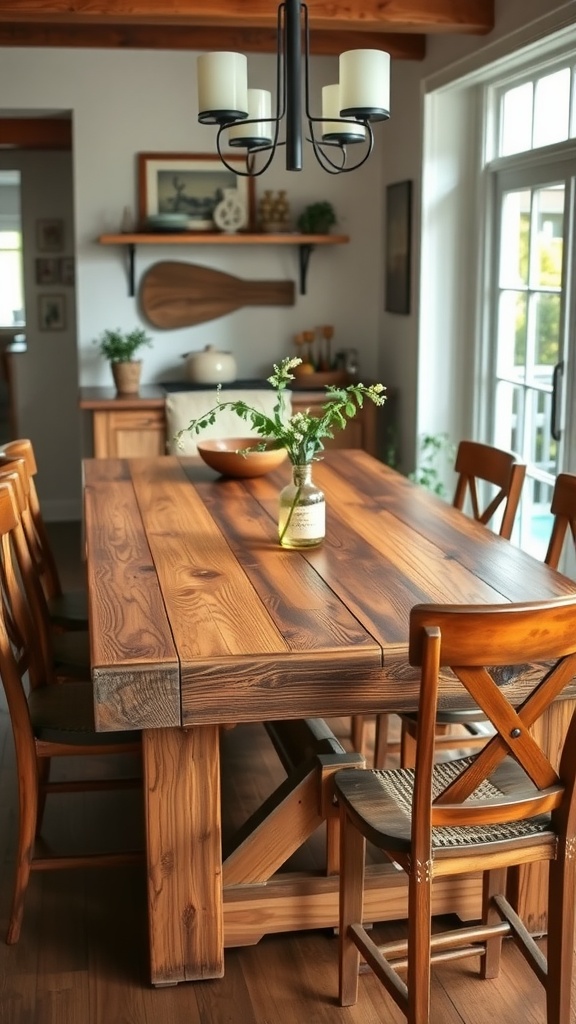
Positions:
{"x": 43, "y": 767}
{"x": 28, "y": 814}
{"x": 493, "y": 884}
{"x": 352, "y": 854}
{"x": 560, "y": 938}
{"x": 419, "y": 952}
{"x": 358, "y": 733}
{"x": 381, "y": 741}
{"x": 407, "y": 748}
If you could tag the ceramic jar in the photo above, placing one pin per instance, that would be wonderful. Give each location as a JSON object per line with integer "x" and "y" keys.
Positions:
{"x": 210, "y": 366}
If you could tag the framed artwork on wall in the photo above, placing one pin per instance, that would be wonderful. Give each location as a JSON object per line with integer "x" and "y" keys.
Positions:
{"x": 398, "y": 247}
{"x": 47, "y": 271}
{"x": 51, "y": 312}
{"x": 50, "y": 235}
{"x": 191, "y": 184}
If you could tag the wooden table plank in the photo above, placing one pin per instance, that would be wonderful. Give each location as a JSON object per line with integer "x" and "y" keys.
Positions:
{"x": 135, "y": 669}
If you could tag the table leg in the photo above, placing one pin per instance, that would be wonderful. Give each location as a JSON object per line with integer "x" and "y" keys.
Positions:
{"x": 184, "y": 853}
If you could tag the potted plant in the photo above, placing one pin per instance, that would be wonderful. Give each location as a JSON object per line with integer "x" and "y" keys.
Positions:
{"x": 119, "y": 348}
{"x": 317, "y": 219}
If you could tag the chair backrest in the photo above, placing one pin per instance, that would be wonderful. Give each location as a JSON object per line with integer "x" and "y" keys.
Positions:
{"x": 19, "y": 653}
{"x": 563, "y": 508}
{"x": 33, "y": 622}
{"x": 474, "y": 462}
{"x": 38, "y": 538}
{"x": 513, "y": 660}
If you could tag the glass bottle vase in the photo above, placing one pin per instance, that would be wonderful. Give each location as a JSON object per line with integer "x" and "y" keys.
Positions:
{"x": 302, "y": 514}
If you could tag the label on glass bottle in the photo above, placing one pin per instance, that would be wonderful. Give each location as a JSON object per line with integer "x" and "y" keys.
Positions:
{"x": 308, "y": 522}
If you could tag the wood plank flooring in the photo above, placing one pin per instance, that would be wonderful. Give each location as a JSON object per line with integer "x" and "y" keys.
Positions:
{"x": 82, "y": 957}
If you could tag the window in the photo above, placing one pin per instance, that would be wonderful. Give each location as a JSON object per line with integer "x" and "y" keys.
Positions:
{"x": 537, "y": 112}
{"x": 11, "y": 277}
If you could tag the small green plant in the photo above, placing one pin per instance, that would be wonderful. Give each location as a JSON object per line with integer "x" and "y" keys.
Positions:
{"x": 317, "y": 219}
{"x": 433, "y": 448}
{"x": 119, "y": 347}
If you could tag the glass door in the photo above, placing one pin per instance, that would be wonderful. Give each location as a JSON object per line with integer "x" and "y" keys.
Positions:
{"x": 532, "y": 356}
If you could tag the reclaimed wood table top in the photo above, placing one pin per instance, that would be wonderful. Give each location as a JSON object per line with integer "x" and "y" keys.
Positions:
{"x": 198, "y": 615}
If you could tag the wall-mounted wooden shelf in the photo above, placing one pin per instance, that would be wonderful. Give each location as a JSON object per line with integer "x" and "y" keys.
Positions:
{"x": 305, "y": 243}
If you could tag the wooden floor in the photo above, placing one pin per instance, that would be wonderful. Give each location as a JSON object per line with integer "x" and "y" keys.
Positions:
{"x": 82, "y": 957}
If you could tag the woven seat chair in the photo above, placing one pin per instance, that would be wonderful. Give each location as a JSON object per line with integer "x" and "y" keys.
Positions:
{"x": 48, "y": 719}
{"x": 475, "y": 464}
{"x": 68, "y": 610}
{"x": 504, "y": 806}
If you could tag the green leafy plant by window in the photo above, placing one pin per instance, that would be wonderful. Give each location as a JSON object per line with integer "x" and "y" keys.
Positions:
{"x": 434, "y": 449}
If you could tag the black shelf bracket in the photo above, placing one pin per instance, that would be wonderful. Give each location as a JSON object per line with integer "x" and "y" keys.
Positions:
{"x": 305, "y": 251}
{"x": 131, "y": 259}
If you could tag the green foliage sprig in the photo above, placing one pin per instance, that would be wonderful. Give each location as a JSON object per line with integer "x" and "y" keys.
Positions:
{"x": 433, "y": 448}
{"x": 302, "y": 435}
{"x": 119, "y": 347}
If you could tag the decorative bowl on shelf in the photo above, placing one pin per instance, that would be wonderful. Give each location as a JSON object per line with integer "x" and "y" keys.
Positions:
{"x": 168, "y": 222}
{"x": 222, "y": 454}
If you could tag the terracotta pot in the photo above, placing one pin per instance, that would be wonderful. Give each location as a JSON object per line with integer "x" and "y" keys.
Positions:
{"x": 127, "y": 377}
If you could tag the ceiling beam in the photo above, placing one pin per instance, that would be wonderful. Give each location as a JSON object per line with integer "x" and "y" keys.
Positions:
{"x": 420, "y": 16}
{"x": 177, "y": 37}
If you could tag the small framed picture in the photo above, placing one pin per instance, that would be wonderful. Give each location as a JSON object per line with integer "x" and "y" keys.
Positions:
{"x": 50, "y": 235}
{"x": 189, "y": 184}
{"x": 67, "y": 270}
{"x": 51, "y": 312}
{"x": 47, "y": 271}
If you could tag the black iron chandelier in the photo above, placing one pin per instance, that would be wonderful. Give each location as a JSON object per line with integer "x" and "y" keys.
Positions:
{"x": 361, "y": 96}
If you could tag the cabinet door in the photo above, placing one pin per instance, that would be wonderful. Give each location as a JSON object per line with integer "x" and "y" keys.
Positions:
{"x": 129, "y": 433}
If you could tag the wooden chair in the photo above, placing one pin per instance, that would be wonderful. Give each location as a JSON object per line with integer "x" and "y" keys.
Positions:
{"x": 67, "y": 609}
{"x": 48, "y": 720}
{"x": 504, "y": 806}
{"x": 563, "y": 508}
{"x": 69, "y": 651}
{"x": 474, "y": 463}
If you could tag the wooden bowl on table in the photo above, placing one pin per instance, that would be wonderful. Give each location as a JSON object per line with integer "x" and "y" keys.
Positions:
{"x": 223, "y": 455}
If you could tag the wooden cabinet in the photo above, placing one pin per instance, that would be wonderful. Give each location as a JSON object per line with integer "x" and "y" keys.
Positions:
{"x": 129, "y": 433}
{"x": 132, "y": 427}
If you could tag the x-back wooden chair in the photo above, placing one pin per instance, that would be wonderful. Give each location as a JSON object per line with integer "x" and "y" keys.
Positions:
{"x": 563, "y": 508}
{"x": 48, "y": 719}
{"x": 504, "y": 806}
{"x": 476, "y": 464}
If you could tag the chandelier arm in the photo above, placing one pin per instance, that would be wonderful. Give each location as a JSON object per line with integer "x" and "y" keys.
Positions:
{"x": 329, "y": 165}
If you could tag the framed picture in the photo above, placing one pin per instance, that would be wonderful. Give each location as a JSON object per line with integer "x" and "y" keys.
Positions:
{"x": 398, "y": 246}
{"x": 51, "y": 312}
{"x": 47, "y": 271}
{"x": 50, "y": 235}
{"x": 190, "y": 183}
{"x": 67, "y": 270}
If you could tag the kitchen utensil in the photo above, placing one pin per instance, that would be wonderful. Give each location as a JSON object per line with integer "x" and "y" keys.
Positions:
{"x": 175, "y": 294}
{"x": 210, "y": 366}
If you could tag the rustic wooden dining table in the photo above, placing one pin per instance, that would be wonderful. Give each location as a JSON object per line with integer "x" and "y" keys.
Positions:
{"x": 199, "y": 620}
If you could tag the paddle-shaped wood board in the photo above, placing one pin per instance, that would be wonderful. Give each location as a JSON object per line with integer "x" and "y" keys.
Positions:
{"x": 176, "y": 294}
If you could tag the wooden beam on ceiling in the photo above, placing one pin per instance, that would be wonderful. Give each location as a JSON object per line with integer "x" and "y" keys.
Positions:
{"x": 177, "y": 37}
{"x": 419, "y": 16}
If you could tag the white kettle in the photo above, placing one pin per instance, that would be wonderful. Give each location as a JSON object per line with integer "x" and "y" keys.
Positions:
{"x": 210, "y": 366}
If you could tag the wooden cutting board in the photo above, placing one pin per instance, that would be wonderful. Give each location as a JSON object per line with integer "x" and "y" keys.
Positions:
{"x": 176, "y": 294}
